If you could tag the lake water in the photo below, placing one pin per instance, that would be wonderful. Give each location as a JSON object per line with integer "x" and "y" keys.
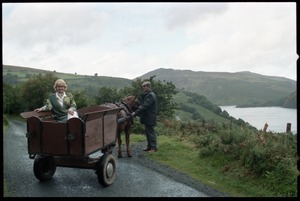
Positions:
{"x": 276, "y": 117}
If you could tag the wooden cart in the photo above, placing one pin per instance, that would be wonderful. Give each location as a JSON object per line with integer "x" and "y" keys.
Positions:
{"x": 55, "y": 144}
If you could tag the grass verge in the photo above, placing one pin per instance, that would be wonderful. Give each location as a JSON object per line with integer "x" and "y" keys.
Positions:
{"x": 215, "y": 171}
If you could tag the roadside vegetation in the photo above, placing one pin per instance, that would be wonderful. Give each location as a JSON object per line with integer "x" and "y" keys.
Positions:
{"x": 231, "y": 160}
{"x": 195, "y": 136}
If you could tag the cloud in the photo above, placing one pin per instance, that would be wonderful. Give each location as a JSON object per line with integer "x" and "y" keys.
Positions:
{"x": 238, "y": 40}
{"x": 54, "y": 25}
{"x": 131, "y": 39}
{"x": 179, "y": 15}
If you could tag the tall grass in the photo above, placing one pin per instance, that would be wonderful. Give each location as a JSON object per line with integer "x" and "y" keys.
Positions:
{"x": 234, "y": 154}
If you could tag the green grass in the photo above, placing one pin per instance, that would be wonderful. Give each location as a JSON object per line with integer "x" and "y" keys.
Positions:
{"x": 211, "y": 170}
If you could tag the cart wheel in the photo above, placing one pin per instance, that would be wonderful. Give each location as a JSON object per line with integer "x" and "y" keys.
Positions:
{"x": 106, "y": 169}
{"x": 44, "y": 167}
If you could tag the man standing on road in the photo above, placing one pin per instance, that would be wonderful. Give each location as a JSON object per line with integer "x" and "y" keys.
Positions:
{"x": 147, "y": 112}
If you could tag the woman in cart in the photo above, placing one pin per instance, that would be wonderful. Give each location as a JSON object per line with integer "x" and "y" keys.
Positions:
{"x": 62, "y": 104}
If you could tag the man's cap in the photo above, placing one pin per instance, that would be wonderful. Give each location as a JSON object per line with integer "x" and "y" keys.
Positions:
{"x": 146, "y": 83}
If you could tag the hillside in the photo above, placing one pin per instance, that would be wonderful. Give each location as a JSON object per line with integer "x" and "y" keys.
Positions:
{"x": 290, "y": 101}
{"x": 182, "y": 99}
{"x": 223, "y": 88}
{"x": 15, "y": 75}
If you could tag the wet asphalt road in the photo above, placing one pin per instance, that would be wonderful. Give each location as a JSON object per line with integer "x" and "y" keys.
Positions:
{"x": 135, "y": 177}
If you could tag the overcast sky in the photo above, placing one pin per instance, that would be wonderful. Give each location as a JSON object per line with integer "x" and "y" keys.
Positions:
{"x": 130, "y": 39}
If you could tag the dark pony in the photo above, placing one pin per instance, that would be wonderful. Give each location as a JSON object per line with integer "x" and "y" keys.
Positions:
{"x": 129, "y": 104}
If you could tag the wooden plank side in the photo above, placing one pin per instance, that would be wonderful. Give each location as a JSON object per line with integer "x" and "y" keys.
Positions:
{"x": 54, "y": 138}
{"x": 46, "y": 136}
{"x": 91, "y": 109}
{"x": 75, "y": 137}
{"x": 34, "y": 135}
{"x": 94, "y": 133}
{"x": 27, "y": 115}
{"x": 97, "y": 123}
{"x": 110, "y": 126}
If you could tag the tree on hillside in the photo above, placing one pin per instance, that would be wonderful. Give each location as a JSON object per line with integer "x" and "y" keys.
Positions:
{"x": 204, "y": 102}
{"x": 80, "y": 99}
{"x": 107, "y": 95}
{"x": 163, "y": 90}
{"x": 10, "y": 78}
{"x": 290, "y": 101}
{"x": 37, "y": 89}
{"x": 12, "y": 101}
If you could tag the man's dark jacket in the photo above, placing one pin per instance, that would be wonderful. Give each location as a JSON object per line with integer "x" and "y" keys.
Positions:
{"x": 147, "y": 111}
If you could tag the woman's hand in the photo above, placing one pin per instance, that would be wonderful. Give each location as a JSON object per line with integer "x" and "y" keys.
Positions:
{"x": 71, "y": 111}
{"x": 38, "y": 109}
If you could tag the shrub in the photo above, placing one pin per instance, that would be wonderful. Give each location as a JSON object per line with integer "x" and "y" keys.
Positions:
{"x": 275, "y": 162}
{"x": 5, "y": 120}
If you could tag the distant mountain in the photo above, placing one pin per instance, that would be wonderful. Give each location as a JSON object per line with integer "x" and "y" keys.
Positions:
{"x": 223, "y": 88}
{"x": 191, "y": 107}
{"x": 15, "y": 75}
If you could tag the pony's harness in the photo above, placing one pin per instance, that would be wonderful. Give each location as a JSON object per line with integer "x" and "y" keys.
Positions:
{"x": 124, "y": 105}
{"x": 127, "y": 110}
